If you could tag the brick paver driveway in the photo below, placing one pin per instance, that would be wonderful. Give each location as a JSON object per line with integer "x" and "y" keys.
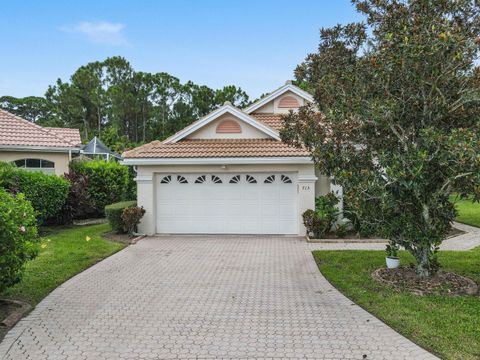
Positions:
{"x": 204, "y": 297}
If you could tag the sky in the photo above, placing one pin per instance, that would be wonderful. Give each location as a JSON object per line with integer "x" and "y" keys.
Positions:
{"x": 252, "y": 44}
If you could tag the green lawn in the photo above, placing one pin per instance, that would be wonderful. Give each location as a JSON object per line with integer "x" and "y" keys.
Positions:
{"x": 63, "y": 253}
{"x": 468, "y": 211}
{"x": 447, "y": 326}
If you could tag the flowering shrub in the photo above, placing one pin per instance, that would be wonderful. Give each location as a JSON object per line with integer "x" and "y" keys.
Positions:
{"x": 18, "y": 234}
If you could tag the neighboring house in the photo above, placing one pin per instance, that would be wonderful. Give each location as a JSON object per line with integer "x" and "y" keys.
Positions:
{"x": 229, "y": 172}
{"x": 37, "y": 148}
{"x": 96, "y": 149}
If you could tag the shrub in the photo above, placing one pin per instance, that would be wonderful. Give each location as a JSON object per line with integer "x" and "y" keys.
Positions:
{"x": 7, "y": 172}
{"x": 360, "y": 211}
{"x": 108, "y": 183}
{"x": 114, "y": 214}
{"x": 18, "y": 234}
{"x": 79, "y": 203}
{"x": 312, "y": 223}
{"x": 320, "y": 221}
{"x": 341, "y": 231}
{"x": 47, "y": 193}
{"x": 131, "y": 218}
{"x": 325, "y": 207}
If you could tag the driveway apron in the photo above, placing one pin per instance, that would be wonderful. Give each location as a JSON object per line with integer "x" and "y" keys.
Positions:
{"x": 204, "y": 297}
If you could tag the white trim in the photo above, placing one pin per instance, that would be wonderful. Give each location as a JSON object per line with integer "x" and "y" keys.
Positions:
{"x": 227, "y": 108}
{"x": 220, "y": 161}
{"x": 144, "y": 178}
{"x": 38, "y": 148}
{"x": 307, "y": 178}
{"x": 287, "y": 87}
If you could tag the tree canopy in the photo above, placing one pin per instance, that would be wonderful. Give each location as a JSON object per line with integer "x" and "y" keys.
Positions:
{"x": 122, "y": 106}
{"x": 396, "y": 116}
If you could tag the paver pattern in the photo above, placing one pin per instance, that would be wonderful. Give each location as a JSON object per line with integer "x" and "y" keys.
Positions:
{"x": 222, "y": 297}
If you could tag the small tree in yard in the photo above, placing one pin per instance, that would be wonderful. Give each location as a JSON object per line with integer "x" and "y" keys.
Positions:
{"x": 397, "y": 115}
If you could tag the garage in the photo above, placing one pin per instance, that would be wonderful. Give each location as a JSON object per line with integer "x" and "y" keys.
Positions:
{"x": 220, "y": 203}
{"x": 229, "y": 172}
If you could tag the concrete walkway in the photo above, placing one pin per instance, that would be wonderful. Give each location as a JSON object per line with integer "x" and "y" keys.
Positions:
{"x": 464, "y": 242}
{"x": 222, "y": 297}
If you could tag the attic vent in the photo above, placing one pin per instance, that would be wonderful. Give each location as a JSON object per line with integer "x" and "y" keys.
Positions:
{"x": 228, "y": 126}
{"x": 288, "y": 102}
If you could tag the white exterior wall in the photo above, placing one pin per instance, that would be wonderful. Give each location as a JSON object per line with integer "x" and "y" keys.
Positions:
{"x": 209, "y": 131}
{"x": 147, "y": 178}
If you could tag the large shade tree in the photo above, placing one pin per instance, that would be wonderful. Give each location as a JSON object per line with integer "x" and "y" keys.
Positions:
{"x": 396, "y": 115}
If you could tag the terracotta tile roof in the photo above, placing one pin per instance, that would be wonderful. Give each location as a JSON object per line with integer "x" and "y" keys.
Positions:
{"x": 72, "y": 135}
{"x": 206, "y": 148}
{"x": 272, "y": 120}
{"x": 19, "y": 132}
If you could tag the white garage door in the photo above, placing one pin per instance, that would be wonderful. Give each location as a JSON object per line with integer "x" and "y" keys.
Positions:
{"x": 253, "y": 203}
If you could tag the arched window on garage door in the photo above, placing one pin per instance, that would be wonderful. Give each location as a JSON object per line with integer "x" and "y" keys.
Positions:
{"x": 45, "y": 166}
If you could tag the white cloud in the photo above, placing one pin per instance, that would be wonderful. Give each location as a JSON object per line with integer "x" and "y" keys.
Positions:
{"x": 102, "y": 32}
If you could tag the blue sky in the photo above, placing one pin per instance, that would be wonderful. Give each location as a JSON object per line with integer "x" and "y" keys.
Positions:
{"x": 252, "y": 44}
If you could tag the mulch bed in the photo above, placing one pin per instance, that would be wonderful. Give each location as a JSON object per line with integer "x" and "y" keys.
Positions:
{"x": 442, "y": 283}
{"x": 11, "y": 311}
{"x": 120, "y": 238}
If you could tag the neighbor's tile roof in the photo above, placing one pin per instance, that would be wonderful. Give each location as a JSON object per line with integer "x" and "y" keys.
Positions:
{"x": 206, "y": 148}
{"x": 275, "y": 121}
{"x": 20, "y": 132}
{"x": 72, "y": 135}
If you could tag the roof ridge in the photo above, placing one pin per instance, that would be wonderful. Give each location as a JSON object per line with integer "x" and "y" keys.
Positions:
{"x": 226, "y": 140}
{"x": 38, "y": 127}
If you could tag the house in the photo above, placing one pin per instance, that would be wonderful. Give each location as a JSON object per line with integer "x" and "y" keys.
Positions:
{"x": 37, "y": 148}
{"x": 229, "y": 173}
{"x": 97, "y": 149}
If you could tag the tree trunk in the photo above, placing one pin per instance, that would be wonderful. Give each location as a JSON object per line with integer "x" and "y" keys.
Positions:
{"x": 423, "y": 256}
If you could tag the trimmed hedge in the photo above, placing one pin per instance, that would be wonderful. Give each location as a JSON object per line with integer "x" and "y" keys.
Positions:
{"x": 108, "y": 183}
{"x": 18, "y": 234}
{"x": 114, "y": 214}
{"x": 47, "y": 193}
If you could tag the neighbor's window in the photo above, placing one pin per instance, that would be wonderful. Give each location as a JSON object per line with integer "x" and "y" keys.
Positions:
{"x": 45, "y": 166}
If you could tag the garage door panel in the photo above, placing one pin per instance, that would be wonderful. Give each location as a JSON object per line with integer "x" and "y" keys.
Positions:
{"x": 268, "y": 206}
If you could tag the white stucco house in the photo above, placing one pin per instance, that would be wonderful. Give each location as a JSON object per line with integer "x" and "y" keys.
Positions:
{"x": 229, "y": 173}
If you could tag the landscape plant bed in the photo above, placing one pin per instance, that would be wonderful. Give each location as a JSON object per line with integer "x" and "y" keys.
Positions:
{"x": 11, "y": 311}
{"x": 93, "y": 221}
{"x": 122, "y": 238}
{"x": 442, "y": 283}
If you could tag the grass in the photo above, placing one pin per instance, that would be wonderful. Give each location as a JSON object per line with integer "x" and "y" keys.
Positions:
{"x": 468, "y": 211}
{"x": 447, "y": 326}
{"x": 63, "y": 254}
